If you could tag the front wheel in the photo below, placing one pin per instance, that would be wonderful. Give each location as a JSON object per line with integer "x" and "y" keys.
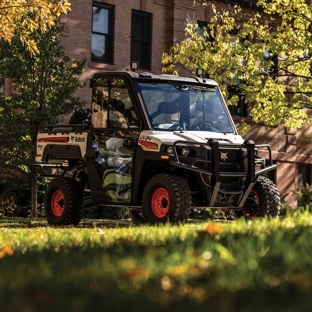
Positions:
{"x": 63, "y": 202}
{"x": 263, "y": 200}
{"x": 166, "y": 198}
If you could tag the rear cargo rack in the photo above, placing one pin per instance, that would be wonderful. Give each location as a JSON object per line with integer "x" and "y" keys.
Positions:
{"x": 41, "y": 166}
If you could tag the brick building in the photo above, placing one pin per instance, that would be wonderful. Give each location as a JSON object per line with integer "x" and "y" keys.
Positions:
{"x": 141, "y": 30}
{"x": 110, "y": 33}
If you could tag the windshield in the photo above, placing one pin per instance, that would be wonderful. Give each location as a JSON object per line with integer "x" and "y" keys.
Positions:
{"x": 177, "y": 106}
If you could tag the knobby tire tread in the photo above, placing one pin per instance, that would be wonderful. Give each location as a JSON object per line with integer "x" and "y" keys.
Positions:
{"x": 269, "y": 197}
{"x": 74, "y": 201}
{"x": 180, "y": 194}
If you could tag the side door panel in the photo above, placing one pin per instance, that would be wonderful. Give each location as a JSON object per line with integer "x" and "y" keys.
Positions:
{"x": 116, "y": 129}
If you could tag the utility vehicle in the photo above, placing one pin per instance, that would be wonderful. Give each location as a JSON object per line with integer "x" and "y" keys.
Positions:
{"x": 159, "y": 145}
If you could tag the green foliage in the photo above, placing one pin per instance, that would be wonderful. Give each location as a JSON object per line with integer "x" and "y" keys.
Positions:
{"x": 44, "y": 85}
{"x": 165, "y": 268}
{"x": 304, "y": 195}
{"x": 267, "y": 58}
{"x": 207, "y": 214}
{"x": 243, "y": 128}
{"x": 43, "y": 88}
{"x": 15, "y": 197}
{"x": 41, "y": 15}
{"x": 286, "y": 210}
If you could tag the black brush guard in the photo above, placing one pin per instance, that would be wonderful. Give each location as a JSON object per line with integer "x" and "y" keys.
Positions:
{"x": 215, "y": 146}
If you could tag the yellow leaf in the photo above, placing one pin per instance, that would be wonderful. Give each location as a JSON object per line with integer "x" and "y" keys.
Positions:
{"x": 6, "y": 250}
{"x": 212, "y": 228}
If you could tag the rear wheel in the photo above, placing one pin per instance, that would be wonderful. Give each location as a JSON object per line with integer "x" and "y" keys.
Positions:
{"x": 63, "y": 202}
{"x": 166, "y": 198}
{"x": 263, "y": 200}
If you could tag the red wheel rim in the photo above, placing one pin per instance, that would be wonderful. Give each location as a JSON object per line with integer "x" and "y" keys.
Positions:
{"x": 57, "y": 203}
{"x": 254, "y": 211}
{"x": 160, "y": 202}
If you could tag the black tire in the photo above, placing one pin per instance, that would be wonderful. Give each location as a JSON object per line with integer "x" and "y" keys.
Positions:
{"x": 263, "y": 200}
{"x": 166, "y": 198}
{"x": 63, "y": 202}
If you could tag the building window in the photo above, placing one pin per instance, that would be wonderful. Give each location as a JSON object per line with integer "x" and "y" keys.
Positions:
{"x": 141, "y": 38}
{"x": 102, "y": 33}
{"x": 303, "y": 175}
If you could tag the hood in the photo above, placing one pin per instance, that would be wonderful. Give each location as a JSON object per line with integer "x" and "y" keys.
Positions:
{"x": 168, "y": 138}
{"x": 204, "y": 136}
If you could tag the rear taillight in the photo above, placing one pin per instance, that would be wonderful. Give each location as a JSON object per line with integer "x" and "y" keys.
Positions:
{"x": 54, "y": 139}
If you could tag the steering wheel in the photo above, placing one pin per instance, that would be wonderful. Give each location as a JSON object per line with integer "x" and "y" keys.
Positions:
{"x": 203, "y": 125}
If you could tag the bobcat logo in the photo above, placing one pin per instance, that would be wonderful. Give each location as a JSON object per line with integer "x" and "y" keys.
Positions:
{"x": 223, "y": 156}
{"x": 72, "y": 138}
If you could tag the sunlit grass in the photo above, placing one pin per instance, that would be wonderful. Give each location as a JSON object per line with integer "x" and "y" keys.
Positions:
{"x": 235, "y": 266}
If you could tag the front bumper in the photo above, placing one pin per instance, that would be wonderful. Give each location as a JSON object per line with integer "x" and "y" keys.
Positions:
{"x": 228, "y": 169}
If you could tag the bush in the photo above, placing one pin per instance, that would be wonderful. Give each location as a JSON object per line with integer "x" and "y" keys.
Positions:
{"x": 15, "y": 197}
{"x": 208, "y": 214}
{"x": 304, "y": 196}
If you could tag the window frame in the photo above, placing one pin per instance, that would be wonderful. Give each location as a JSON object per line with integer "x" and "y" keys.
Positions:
{"x": 109, "y": 37}
{"x": 107, "y": 113}
{"x": 146, "y": 42}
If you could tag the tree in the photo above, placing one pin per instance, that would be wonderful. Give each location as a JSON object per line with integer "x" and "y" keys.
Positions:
{"x": 43, "y": 88}
{"x": 266, "y": 57}
{"x": 26, "y": 16}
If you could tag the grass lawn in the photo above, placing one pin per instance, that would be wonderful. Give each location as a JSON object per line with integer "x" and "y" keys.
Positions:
{"x": 259, "y": 265}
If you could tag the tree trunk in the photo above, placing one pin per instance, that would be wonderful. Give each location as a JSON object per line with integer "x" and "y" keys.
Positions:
{"x": 34, "y": 192}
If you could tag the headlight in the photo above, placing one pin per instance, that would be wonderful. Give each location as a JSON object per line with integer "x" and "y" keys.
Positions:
{"x": 170, "y": 150}
{"x": 185, "y": 151}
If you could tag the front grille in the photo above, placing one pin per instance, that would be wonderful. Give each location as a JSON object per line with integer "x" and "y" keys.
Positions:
{"x": 230, "y": 161}
{"x": 229, "y": 167}
{"x": 233, "y": 186}
{"x": 228, "y": 155}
